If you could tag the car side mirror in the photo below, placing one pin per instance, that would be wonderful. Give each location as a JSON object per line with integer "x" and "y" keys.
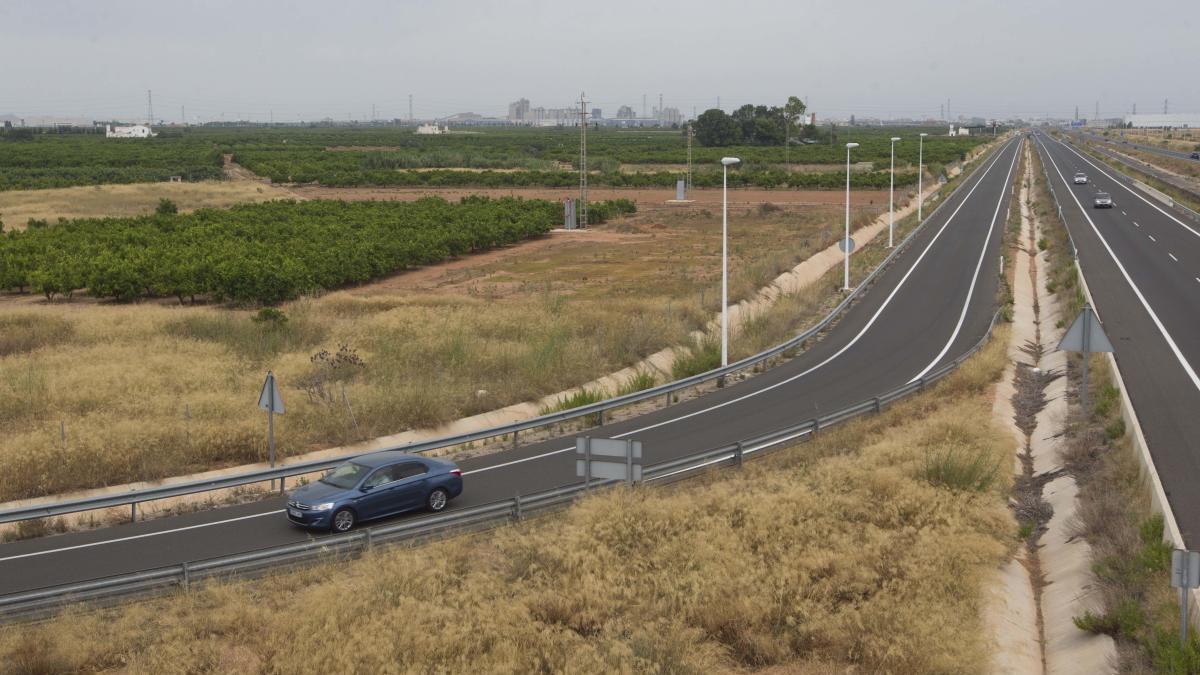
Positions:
{"x": 366, "y": 488}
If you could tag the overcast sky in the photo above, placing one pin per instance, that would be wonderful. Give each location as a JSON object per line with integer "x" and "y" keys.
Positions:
{"x": 302, "y": 59}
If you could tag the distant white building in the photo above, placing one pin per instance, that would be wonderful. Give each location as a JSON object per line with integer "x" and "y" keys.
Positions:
{"x": 135, "y": 131}
{"x": 431, "y": 129}
{"x": 1170, "y": 121}
{"x": 961, "y": 131}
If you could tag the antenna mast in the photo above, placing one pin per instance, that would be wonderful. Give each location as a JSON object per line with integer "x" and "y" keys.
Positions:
{"x": 149, "y": 109}
{"x": 583, "y": 172}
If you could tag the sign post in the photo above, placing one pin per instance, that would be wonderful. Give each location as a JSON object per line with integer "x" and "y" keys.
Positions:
{"x": 1185, "y": 575}
{"x": 272, "y": 402}
{"x": 1085, "y": 335}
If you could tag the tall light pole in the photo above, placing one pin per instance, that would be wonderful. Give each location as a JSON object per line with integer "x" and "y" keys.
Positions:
{"x": 920, "y": 178}
{"x": 726, "y": 162}
{"x": 846, "y": 248}
{"x": 892, "y": 192}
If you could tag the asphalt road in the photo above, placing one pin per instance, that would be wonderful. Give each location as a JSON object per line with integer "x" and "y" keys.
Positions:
{"x": 1120, "y": 141}
{"x": 1142, "y": 264}
{"x": 932, "y": 304}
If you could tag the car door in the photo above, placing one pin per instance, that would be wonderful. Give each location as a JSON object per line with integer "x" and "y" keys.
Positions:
{"x": 413, "y": 480}
{"x": 381, "y": 495}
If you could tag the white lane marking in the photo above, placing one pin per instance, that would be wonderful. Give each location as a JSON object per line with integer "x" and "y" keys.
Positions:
{"x": 138, "y": 536}
{"x": 794, "y": 377}
{"x": 962, "y": 317}
{"x": 1131, "y": 191}
{"x": 1135, "y": 224}
{"x": 1173, "y": 257}
{"x": 1197, "y": 279}
{"x": 1152, "y": 238}
{"x": 628, "y": 433}
{"x": 1124, "y": 214}
{"x": 1187, "y": 367}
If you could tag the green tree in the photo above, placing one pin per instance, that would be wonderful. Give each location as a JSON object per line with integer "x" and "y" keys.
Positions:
{"x": 166, "y": 207}
{"x": 715, "y": 128}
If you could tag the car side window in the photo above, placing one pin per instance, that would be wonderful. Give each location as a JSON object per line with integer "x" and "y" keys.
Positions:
{"x": 386, "y": 474}
{"x": 409, "y": 469}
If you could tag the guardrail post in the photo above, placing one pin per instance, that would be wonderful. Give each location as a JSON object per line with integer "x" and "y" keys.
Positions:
{"x": 515, "y": 439}
{"x": 600, "y": 418}
{"x": 133, "y": 512}
{"x": 282, "y": 480}
{"x": 517, "y": 515}
{"x": 187, "y": 577}
{"x": 367, "y": 539}
{"x": 587, "y": 461}
{"x": 921, "y": 383}
{"x": 816, "y": 422}
{"x": 737, "y": 454}
{"x": 878, "y": 405}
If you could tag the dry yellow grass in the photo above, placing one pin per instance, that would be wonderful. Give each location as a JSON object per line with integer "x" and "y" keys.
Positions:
{"x": 834, "y": 556}
{"x": 156, "y": 389}
{"x": 18, "y": 206}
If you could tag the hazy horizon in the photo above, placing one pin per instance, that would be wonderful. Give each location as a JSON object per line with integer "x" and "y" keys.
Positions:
{"x": 304, "y": 60}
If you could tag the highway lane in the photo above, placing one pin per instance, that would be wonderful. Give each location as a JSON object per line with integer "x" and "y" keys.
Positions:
{"x": 940, "y": 291}
{"x": 1142, "y": 264}
{"x": 1165, "y": 152}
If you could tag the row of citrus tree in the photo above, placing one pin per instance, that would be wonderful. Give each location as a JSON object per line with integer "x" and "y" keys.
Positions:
{"x": 264, "y": 253}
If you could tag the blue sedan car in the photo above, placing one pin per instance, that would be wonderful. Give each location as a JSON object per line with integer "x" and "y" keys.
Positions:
{"x": 374, "y": 486}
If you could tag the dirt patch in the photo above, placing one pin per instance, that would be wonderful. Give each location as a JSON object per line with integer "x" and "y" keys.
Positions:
{"x": 649, "y": 198}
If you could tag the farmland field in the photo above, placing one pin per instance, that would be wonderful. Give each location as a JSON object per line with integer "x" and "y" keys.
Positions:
{"x": 395, "y": 156}
{"x": 265, "y": 253}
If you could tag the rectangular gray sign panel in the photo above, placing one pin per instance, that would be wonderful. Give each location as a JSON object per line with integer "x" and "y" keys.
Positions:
{"x": 606, "y": 470}
{"x": 1185, "y": 567}
{"x": 608, "y": 447}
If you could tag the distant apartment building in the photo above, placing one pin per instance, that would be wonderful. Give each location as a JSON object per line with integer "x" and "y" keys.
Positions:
{"x": 625, "y": 113}
{"x": 518, "y": 111}
{"x": 431, "y": 130}
{"x": 597, "y": 114}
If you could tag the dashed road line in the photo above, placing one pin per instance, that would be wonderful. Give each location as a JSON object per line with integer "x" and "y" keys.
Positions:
{"x": 1152, "y": 238}
{"x": 1173, "y": 257}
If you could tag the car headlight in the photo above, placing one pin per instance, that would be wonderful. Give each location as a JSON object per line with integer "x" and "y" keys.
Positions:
{"x": 323, "y": 507}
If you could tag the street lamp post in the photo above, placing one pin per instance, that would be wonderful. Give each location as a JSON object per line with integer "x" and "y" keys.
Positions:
{"x": 846, "y": 267}
{"x": 892, "y": 192}
{"x": 726, "y": 162}
{"x": 920, "y": 178}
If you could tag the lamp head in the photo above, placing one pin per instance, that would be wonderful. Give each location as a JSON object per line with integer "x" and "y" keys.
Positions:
{"x": 730, "y": 161}
{"x": 851, "y": 145}
{"x": 924, "y": 135}
{"x": 895, "y": 138}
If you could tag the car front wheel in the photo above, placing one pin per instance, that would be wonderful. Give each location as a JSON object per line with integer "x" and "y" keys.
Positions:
{"x": 437, "y": 500}
{"x": 343, "y": 520}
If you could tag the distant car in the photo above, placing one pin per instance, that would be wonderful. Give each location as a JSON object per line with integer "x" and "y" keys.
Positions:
{"x": 1195, "y": 155}
{"x": 1103, "y": 200}
{"x": 374, "y": 486}
{"x": 1081, "y": 178}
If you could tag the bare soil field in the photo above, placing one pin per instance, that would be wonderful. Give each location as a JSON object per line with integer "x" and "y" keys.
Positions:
{"x": 18, "y": 206}
{"x": 645, "y": 198}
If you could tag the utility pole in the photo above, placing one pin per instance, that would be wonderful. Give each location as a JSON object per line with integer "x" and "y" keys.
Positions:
{"x": 1134, "y": 108}
{"x": 1097, "y": 111}
{"x": 1076, "y": 113}
{"x": 690, "y": 135}
{"x": 660, "y": 107}
{"x": 644, "y": 115}
{"x": 183, "y": 115}
{"x": 1165, "y": 106}
{"x": 583, "y": 176}
{"x": 149, "y": 109}
{"x": 942, "y": 110}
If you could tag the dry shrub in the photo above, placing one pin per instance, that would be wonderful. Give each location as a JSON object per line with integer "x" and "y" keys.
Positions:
{"x": 20, "y": 333}
{"x": 835, "y": 555}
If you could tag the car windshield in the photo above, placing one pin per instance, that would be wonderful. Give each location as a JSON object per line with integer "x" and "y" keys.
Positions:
{"x": 345, "y": 476}
{"x": 1102, "y": 195}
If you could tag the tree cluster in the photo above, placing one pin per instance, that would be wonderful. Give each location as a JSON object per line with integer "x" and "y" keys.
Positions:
{"x": 263, "y": 253}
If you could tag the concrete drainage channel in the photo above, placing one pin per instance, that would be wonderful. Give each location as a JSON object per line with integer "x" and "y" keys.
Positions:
{"x": 1048, "y": 581}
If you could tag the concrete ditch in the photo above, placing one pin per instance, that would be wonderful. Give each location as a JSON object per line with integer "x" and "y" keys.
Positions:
{"x": 1048, "y": 582}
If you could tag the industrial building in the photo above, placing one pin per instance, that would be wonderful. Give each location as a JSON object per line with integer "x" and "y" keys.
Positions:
{"x": 1160, "y": 121}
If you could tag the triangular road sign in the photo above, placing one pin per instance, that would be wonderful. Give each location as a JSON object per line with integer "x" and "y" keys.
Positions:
{"x": 1085, "y": 335}
{"x": 269, "y": 399}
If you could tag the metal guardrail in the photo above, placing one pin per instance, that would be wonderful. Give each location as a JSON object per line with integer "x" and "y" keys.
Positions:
{"x": 133, "y": 498}
{"x": 45, "y": 601}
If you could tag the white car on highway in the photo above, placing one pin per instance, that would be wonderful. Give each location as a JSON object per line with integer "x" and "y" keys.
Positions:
{"x": 1081, "y": 178}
